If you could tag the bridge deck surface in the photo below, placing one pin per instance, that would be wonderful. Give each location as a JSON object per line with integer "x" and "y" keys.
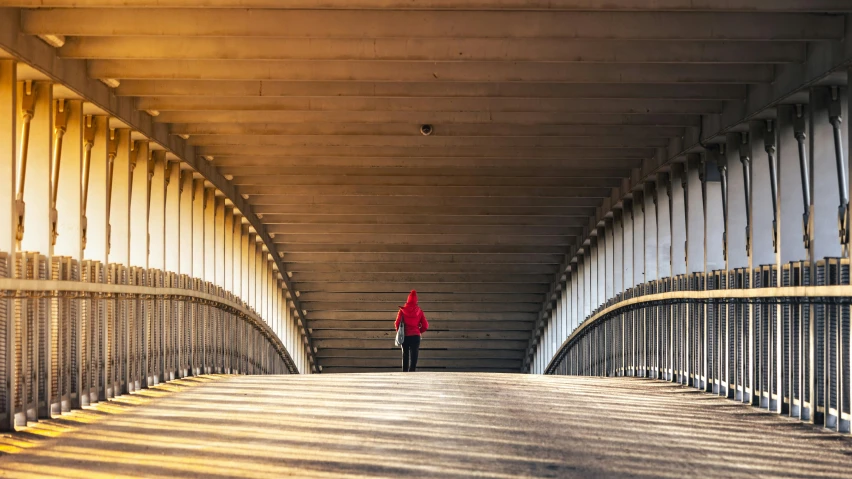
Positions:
{"x": 424, "y": 425}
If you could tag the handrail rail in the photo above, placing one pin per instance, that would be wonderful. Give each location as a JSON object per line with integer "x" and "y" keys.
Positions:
{"x": 731, "y": 295}
{"x": 106, "y": 289}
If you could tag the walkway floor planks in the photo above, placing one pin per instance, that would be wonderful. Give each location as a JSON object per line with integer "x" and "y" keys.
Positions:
{"x": 429, "y": 425}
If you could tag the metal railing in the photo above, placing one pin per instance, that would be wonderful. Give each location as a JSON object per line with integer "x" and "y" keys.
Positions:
{"x": 776, "y": 341}
{"x": 90, "y": 331}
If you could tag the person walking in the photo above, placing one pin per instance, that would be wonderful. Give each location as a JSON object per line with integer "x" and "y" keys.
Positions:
{"x": 415, "y": 324}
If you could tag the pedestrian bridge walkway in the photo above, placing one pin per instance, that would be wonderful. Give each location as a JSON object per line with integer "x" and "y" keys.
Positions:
{"x": 422, "y": 425}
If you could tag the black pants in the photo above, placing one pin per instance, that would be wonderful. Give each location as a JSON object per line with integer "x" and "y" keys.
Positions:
{"x": 410, "y": 351}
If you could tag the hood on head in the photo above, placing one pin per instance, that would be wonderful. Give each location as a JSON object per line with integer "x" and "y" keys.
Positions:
{"x": 412, "y": 298}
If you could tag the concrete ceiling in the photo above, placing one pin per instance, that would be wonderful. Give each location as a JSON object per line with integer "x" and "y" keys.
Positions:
{"x": 540, "y": 110}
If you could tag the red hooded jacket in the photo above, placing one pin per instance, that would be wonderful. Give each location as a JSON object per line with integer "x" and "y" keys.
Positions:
{"x": 415, "y": 320}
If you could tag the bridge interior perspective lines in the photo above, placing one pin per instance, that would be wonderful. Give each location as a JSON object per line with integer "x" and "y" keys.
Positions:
{"x": 204, "y": 201}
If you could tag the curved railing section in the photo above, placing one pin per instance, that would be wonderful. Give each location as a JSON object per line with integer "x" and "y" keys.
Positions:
{"x": 89, "y": 332}
{"x": 776, "y": 341}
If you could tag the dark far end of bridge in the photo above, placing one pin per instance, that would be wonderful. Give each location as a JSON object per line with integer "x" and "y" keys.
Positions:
{"x": 192, "y": 190}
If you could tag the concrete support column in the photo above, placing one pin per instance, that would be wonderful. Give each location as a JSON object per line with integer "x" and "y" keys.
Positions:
{"x": 236, "y": 251}
{"x": 157, "y": 212}
{"x": 35, "y": 110}
{"x": 277, "y": 287}
{"x": 794, "y": 205}
{"x": 592, "y": 271}
{"x": 650, "y": 215}
{"x": 219, "y": 241}
{"x": 736, "y": 232}
{"x": 763, "y": 149}
{"x": 198, "y": 231}
{"x": 587, "y": 281}
{"x": 664, "y": 227}
{"x": 260, "y": 280}
{"x": 187, "y": 221}
{"x": 264, "y": 282}
{"x": 714, "y": 216}
{"x": 174, "y": 218}
{"x": 94, "y": 206}
{"x": 609, "y": 278}
{"x": 258, "y": 268}
{"x": 627, "y": 244}
{"x": 618, "y": 250}
{"x": 210, "y": 235}
{"x": 695, "y": 215}
{"x": 142, "y": 174}
{"x": 575, "y": 295}
{"x": 581, "y": 287}
{"x": 678, "y": 219}
{"x": 69, "y": 171}
{"x": 229, "y": 249}
{"x": 246, "y": 265}
{"x": 118, "y": 147}
{"x": 825, "y": 103}
{"x": 601, "y": 260}
{"x": 638, "y": 238}
{"x": 564, "y": 319}
{"x": 251, "y": 279}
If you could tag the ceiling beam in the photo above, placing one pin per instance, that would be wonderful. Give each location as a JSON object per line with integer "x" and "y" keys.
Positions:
{"x": 429, "y": 171}
{"x": 417, "y": 106}
{"x": 425, "y": 248}
{"x": 445, "y": 191}
{"x": 473, "y": 118}
{"x": 416, "y": 230}
{"x": 386, "y": 89}
{"x": 424, "y": 267}
{"x": 399, "y": 221}
{"x": 304, "y": 70}
{"x": 400, "y": 288}
{"x": 424, "y": 152}
{"x": 436, "y": 140}
{"x": 433, "y": 315}
{"x": 489, "y": 131}
{"x": 425, "y": 297}
{"x": 416, "y": 277}
{"x": 423, "y": 239}
{"x": 434, "y": 162}
{"x": 805, "y": 6}
{"x": 248, "y": 22}
{"x": 431, "y": 49}
{"x": 286, "y": 181}
{"x": 526, "y": 207}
